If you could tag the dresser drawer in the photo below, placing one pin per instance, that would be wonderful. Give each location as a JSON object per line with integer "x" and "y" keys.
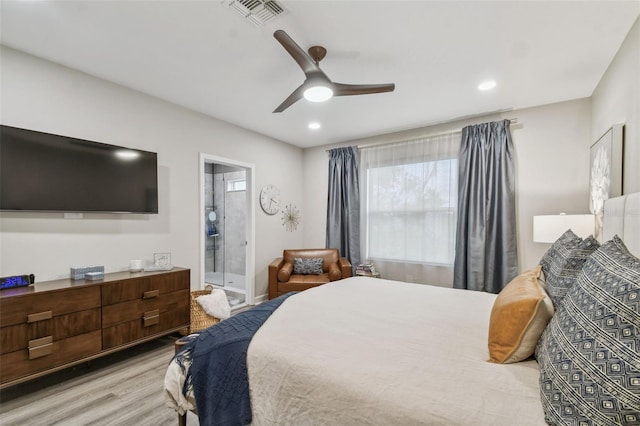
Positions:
{"x": 44, "y": 356}
{"x": 134, "y": 309}
{"x": 141, "y": 327}
{"x": 34, "y": 308}
{"x": 16, "y": 337}
{"x": 145, "y": 287}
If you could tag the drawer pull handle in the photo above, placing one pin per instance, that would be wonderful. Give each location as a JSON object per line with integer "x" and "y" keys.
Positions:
{"x": 40, "y": 347}
{"x": 41, "y": 341}
{"x": 151, "y": 318}
{"x": 40, "y": 316}
{"x": 150, "y": 294}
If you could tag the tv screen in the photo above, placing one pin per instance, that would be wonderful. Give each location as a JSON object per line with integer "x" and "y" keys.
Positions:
{"x": 45, "y": 172}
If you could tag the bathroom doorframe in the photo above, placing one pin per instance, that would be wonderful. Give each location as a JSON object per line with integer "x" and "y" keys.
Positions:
{"x": 250, "y": 221}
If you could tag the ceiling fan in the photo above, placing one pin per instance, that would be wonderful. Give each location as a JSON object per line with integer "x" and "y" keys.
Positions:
{"x": 318, "y": 87}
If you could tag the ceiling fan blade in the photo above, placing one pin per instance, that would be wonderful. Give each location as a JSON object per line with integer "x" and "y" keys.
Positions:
{"x": 316, "y": 78}
{"x": 300, "y": 56}
{"x": 291, "y": 99}
{"x": 340, "y": 89}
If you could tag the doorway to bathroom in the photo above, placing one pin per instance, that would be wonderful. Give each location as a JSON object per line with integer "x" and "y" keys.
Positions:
{"x": 227, "y": 228}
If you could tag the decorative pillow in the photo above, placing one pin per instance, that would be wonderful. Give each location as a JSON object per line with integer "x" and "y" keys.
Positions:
{"x": 566, "y": 240}
{"x": 215, "y": 304}
{"x": 563, "y": 261}
{"x": 589, "y": 354}
{"x": 518, "y": 318}
{"x": 542, "y": 280}
{"x": 307, "y": 266}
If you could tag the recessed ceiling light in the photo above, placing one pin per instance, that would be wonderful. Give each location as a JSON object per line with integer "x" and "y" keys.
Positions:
{"x": 314, "y": 125}
{"x": 487, "y": 85}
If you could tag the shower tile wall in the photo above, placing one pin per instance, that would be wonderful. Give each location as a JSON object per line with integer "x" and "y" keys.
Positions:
{"x": 233, "y": 226}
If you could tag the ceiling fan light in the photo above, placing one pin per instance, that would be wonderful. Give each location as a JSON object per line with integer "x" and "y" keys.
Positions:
{"x": 318, "y": 94}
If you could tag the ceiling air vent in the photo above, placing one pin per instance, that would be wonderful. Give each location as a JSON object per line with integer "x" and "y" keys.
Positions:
{"x": 258, "y": 12}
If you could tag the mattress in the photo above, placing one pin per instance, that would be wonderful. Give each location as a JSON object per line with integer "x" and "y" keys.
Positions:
{"x": 372, "y": 351}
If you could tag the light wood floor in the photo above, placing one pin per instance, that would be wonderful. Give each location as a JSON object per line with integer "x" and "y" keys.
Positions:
{"x": 125, "y": 388}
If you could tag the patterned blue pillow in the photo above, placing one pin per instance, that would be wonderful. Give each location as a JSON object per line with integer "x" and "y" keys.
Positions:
{"x": 307, "y": 266}
{"x": 563, "y": 261}
{"x": 589, "y": 354}
{"x": 567, "y": 241}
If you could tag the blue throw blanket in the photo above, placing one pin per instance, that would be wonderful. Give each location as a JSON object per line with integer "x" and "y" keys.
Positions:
{"x": 218, "y": 372}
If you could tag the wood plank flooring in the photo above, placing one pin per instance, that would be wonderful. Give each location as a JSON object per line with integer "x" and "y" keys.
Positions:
{"x": 125, "y": 388}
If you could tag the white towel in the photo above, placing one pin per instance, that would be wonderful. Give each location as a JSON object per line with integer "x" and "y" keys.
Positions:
{"x": 215, "y": 304}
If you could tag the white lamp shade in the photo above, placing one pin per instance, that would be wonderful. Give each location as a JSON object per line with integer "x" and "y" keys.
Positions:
{"x": 548, "y": 228}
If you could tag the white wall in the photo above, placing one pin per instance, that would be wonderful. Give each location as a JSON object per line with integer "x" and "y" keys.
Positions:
{"x": 552, "y": 166}
{"x": 552, "y": 151}
{"x": 40, "y": 95}
{"x": 616, "y": 100}
{"x": 551, "y": 144}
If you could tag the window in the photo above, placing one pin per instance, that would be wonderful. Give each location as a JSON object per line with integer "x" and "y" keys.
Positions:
{"x": 236, "y": 185}
{"x": 409, "y": 193}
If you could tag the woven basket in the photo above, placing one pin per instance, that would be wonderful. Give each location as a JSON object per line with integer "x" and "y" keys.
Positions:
{"x": 199, "y": 318}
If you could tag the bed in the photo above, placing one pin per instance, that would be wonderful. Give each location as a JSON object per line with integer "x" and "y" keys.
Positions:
{"x": 373, "y": 351}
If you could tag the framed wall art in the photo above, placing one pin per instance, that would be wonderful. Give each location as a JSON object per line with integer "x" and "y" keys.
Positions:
{"x": 605, "y": 171}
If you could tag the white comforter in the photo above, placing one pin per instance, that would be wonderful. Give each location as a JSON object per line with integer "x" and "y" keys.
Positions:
{"x": 368, "y": 351}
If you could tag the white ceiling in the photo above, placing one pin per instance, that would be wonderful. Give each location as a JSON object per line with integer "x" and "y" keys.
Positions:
{"x": 202, "y": 55}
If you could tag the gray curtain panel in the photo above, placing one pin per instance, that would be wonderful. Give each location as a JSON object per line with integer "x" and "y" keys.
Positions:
{"x": 343, "y": 204}
{"x": 486, "y": 256}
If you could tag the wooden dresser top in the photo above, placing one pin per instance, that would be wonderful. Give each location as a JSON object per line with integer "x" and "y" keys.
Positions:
{"x": 66, "y": 283}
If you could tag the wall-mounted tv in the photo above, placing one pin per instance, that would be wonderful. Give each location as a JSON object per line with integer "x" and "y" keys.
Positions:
{"x": 45, "y": 172}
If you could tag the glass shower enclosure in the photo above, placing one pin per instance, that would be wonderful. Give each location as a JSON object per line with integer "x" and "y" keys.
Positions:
{"x": 225, "y": 207}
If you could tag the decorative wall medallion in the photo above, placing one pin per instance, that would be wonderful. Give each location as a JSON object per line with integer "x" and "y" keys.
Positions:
{"x": 291, "y": 218}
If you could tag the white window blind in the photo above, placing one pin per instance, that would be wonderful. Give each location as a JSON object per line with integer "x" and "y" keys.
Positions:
{"x": 409, "y": 200}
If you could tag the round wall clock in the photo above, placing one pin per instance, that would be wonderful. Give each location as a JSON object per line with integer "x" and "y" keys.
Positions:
{"x": 270, "y": 199}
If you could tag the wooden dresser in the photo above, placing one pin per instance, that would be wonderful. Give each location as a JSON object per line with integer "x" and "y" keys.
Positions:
{"x": 55, "y": 324}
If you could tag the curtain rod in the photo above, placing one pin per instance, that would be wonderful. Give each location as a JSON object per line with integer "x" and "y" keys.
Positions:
{"x": 432, "y": 135}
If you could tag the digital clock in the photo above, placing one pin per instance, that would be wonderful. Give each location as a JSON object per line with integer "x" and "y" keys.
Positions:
{"x": 16, "y": 281}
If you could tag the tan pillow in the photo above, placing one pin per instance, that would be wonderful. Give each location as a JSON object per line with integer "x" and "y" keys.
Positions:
{"x": 518, "y": 318}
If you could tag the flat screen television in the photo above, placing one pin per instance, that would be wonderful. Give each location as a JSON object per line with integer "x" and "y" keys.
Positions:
{"x": 45, "y": 172}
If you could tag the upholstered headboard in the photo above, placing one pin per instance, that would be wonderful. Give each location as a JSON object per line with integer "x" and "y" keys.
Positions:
{"x": 622, "y": 217}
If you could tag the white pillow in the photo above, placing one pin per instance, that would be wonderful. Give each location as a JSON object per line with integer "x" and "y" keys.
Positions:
{"x": 215, "y": 304}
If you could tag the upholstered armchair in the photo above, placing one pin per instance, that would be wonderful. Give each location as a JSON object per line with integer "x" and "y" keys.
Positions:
{"x": 302, "y": 269}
